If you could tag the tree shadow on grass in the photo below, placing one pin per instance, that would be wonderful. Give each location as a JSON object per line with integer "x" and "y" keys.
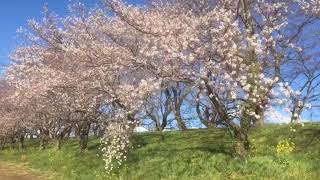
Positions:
{"x": 310, "y": 136}
{"x": 174, "y": 150}
{"x": 94, "y": 146}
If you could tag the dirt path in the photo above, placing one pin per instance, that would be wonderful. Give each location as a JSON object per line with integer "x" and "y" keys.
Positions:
{"x": 8, "y": 172}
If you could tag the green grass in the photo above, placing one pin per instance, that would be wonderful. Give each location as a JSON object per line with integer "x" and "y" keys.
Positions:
{"x": 195, "y": 154}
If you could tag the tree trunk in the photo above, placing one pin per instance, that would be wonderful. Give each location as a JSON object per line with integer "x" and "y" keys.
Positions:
{"x": 12, "y": 142}
{"x": 84, "y": 136}
{"x": 60, "y": 136}
{"x": 181, "y": 125}
{"x": 21, "y": 142}
{"x": 241, "y": 146}
{"x": 207, "y": 119}
{"x": 296, "y": 112}
{"x": 43, "y": 142}
{"x": 164, "y": 123}
{"x": 43, "y": 139}
{"x": 259, "y": 122}
{"x": 95, "y": 131}
{"x": 2, "y": 143}
{"x": 59, "y": 139}
{"x": 83, "y": 142}
{"x": 58, "y": 143}
{"x": 158, "y": 127}
{"x": 68, "y": 132}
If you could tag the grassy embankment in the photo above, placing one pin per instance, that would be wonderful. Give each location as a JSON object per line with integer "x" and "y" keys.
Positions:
{"x": 195, "y": 154}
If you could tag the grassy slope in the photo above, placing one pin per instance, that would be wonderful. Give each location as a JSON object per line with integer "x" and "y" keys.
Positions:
{"x": 196, "y": 154}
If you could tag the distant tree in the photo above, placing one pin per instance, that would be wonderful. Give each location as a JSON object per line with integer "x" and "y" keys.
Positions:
{"x": 158, "y": 109}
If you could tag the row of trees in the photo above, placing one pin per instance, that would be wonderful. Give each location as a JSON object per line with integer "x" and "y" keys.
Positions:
{"x": 112, "y": 69}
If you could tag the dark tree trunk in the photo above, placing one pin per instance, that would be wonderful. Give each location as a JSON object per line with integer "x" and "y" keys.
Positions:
{"x": 164, "y": 123}
{"x": 2, "y": 143}
{"x": 59, "y": 142}
{"x": 210, "y": 120}
{"x": 60, "y": 136}
{"x": 68, "y": 133}
{"x": 84, "y": 136}
{"x": 178, "y": 98}
{"x": 158, "y": 127}
{"x": 44, "y": 135}
{"x": 12, "y": 142}
{"x": 59, "y": 139}
{"x": 239, "y": 133}
{"x": 21, "y": 142}
{"x": 181, "y": 125}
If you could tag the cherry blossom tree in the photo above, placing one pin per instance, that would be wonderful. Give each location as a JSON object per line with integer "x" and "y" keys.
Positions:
{"x": 73, "y": 70}
{"x": 307, "y": 93}
{"x": 234, "y": 51}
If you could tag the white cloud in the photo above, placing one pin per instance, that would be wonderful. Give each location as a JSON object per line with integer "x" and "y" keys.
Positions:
{"x": 141, "y": 129}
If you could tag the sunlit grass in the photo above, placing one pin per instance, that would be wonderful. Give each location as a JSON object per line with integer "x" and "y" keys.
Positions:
{"x": 195, "y": 154}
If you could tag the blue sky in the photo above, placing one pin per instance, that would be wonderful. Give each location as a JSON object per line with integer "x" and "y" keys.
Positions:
{"x": 15, "y": 13}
